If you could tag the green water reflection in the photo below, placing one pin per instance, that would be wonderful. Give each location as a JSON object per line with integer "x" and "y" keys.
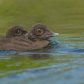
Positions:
{"x": 62, "y": 16}
{"x": 18, "y": 62}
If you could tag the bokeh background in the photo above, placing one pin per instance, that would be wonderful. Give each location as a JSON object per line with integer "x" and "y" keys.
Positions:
{"x": 62, "y": 16}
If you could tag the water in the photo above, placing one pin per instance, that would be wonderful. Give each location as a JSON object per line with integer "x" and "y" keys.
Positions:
{"x": 61, "y": 62}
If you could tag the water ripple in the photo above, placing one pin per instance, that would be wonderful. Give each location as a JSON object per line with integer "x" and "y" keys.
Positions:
{"x": 62, "y": 59}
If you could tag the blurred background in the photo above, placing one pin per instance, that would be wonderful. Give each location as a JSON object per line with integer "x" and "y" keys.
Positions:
{"x": 62, "y": 16}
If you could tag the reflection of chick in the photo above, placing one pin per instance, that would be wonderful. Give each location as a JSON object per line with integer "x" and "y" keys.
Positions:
{"x": 38, "y": 36}
{"x": 39, "y": 56}
{"x": 15, "y": 31}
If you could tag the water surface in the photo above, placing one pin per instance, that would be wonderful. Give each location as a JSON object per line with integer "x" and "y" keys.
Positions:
{"x": 61, "y": 62}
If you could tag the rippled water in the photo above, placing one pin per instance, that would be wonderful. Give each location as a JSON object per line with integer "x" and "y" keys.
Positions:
{"x": 61, "y": 62}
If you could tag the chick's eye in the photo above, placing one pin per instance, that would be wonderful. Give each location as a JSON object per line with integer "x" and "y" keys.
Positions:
{"x": 18, "y": 31}
{"x": 39, "y": 31}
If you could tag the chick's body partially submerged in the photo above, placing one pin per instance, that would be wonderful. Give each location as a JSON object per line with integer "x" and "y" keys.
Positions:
{"x": 38, "y": 36}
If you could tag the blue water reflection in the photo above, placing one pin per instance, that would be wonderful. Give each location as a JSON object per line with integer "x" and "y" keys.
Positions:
{"x": 63, "y": 61}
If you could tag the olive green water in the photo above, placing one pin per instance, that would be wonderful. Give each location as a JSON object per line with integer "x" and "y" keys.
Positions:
{"x": 62, "y": 62}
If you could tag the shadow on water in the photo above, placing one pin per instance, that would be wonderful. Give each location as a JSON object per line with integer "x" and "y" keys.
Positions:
{"x": 62, "y": 59}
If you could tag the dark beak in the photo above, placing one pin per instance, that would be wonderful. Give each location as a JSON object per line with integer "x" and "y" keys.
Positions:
{"x": 53, "y": 34}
